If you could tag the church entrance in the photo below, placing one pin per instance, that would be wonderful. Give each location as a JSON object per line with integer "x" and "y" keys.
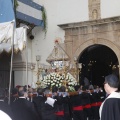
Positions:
{"x": 5, "y": 70}
{"x": 97, "y": 62}
{"x": 95, "y": 44}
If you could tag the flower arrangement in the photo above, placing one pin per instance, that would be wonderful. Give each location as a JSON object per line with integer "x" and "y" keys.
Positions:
{"x": 58, "y": 80}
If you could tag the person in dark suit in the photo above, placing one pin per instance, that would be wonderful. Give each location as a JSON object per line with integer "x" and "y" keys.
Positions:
{"x": 22, "y": 108}
{"x": 48, "y": 111}
{"x": 59, "y": 103}
{"x": 39, "y": 101}
{"x": 65, "y": 102}
{"x": 85, "y": 101}
{"x": 76, "y": 105}
{"x": 110, "y": 108}
{"x": 14, "y": 95}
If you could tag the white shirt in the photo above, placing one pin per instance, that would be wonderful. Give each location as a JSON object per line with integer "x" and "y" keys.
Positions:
{"x": 4, "y": 116}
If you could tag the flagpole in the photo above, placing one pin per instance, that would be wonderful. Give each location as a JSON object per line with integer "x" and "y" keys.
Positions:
{"x": 12, "y": 50}
{"x": 11, "y": 65}
{"x": 26, "y": 57}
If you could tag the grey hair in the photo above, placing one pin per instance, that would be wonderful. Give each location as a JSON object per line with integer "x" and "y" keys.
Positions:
{"x": 47, "y": 91}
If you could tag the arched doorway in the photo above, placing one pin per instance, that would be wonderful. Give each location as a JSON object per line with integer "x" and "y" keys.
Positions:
{"x": 97, "y": 62}
{"x": 5, "y": 70}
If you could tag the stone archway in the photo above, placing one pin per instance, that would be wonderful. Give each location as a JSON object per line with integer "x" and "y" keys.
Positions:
{"x": 80, "y": 35}
{"x": 101, "y": 41}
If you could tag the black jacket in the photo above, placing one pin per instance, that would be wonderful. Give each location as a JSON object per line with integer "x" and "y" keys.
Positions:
{"x": 111, "y": 109}
{"x": 46, "y": 112}
{"x": 24, "y": 110}
{"x": 6, "y": 108}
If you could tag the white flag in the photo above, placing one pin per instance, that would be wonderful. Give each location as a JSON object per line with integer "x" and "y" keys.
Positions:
{"x": 6, "y": 36}
{"x": 19, "y": 38}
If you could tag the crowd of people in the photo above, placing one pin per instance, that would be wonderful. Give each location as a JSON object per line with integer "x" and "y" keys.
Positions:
{"x": 57, "y": 104}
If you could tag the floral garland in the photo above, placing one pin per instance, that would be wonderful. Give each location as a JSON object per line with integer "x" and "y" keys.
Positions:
{"x": 58, "y": 80}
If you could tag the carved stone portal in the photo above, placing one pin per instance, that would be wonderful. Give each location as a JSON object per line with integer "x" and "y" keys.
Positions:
{"x": 79, "y": 36}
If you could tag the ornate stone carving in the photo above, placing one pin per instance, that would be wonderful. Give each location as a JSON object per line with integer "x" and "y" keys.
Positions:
{"x": 103, "y": 31}
{"x": 94, "y": 9}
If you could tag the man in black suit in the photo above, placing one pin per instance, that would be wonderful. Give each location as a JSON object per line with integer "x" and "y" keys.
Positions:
{"x": 39, "y": 101}
{"x": 14, "y": 95}
{"x": 46, "y": 111}
{"x": 22, "y": 108}
{"x": 110, "y": 108}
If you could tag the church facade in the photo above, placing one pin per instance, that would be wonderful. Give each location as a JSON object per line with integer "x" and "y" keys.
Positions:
{"x": 88, "y": 23}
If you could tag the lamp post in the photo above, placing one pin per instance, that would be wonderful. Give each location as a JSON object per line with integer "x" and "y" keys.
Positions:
{"x": 39, "y": 70}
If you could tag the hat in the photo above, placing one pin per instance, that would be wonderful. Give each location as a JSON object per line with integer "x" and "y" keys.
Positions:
{"x": 112, "y": 80}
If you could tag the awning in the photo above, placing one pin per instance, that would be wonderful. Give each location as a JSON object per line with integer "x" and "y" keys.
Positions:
{"x": 58, "y": 54}
{"x": 6, "y": 37}
{"x": 30, "y": 12}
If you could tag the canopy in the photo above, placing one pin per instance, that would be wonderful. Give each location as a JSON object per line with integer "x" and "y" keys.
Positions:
{"x": 6, "y": 35}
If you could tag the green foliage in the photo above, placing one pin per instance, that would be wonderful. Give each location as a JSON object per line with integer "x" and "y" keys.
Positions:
{"x": 44, "y": 17}
{"x": 16, "y": 4}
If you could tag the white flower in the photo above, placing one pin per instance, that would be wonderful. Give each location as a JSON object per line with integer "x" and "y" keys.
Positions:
{"x": 57, "y": 79}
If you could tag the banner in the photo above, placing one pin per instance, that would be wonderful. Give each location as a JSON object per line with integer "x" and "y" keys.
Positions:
{"x": 30, "y": 12}
{"x": 6, "y": 11}
{"x": 6, "y": 34}
{"x": 19, "y": 39}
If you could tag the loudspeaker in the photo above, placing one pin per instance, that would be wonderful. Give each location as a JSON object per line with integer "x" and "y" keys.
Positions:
{"x": 31, "y": 37}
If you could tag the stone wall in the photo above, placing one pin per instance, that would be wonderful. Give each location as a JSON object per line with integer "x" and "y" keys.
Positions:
{"x": 79, "y": 36}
